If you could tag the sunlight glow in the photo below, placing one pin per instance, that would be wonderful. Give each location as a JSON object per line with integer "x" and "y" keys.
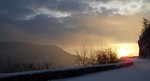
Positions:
{"x": 126, "y": 49}
{"x": 123, "y": 52}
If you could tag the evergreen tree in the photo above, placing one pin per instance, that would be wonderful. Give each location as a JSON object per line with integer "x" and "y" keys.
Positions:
{"x": 144, "y": 40}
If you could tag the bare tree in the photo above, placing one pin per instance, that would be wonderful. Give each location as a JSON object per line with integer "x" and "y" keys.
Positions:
{"x": 85, "y": 55}
{"x": 8, "y": 62}
{"x": 88, "y": 55}
{"x": 31, "y": 66}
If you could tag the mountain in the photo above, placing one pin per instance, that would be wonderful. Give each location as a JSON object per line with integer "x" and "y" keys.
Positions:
{"x": 21, "y": 52}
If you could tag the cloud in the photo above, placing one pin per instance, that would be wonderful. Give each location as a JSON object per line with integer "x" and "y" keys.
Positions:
{"x": 122, "y": 7}
{"x": 71, "y": 22}
{"x": 72, "y": 6}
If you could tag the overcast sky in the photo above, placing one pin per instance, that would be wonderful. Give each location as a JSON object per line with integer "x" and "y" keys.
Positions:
{"x": 72, "y": 22}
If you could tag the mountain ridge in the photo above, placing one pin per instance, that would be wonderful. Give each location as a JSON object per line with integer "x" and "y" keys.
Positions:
{"x": 23, "y": 52}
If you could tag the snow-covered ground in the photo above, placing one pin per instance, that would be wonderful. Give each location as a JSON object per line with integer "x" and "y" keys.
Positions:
{"x": 140, "y": 71}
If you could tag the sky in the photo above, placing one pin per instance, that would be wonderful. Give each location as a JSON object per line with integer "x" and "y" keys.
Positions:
{"x": 69, "y": 23}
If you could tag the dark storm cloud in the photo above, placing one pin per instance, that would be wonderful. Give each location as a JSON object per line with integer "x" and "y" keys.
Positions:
{"x": 58, "y": 20}
{"x": 18, "y": 9}
{"x": 15, "y": 9}
{"x": 14, "y": 13}
{"x": 73, "y": 6}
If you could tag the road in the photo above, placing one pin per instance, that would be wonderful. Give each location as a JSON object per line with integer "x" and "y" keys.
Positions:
{"x": 140, "y": 71}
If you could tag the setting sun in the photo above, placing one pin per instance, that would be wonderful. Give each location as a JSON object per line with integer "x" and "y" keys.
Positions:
{"x": 123, "y": 52}
{"x": 126, "y": 49}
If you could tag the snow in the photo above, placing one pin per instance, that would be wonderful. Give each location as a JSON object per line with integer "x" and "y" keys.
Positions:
{"x": 4, "y": 75}
{"x": 140, "y": 71}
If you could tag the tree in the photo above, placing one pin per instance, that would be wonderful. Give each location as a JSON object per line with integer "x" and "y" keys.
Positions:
{"x": 107, "y": 55}
{"x": 87, "y": 55}
{"x": 146, "y": 25}
{"x": 144, "y": 40}
{"x": 31, "y": 66}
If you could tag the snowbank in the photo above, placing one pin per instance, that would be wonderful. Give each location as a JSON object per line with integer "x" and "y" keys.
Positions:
{"x": 140, "y": 71}
{"x": 44, "y": 75}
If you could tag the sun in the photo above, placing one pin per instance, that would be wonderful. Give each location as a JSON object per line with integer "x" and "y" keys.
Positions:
{"x": 126, "y": 49}
{"x": 122, "y": 52}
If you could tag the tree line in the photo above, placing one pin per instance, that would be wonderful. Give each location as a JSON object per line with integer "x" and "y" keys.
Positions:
{"x": 88, "y": 55}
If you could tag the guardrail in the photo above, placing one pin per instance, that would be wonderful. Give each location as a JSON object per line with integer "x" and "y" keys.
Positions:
{"x": 45, "y": 75}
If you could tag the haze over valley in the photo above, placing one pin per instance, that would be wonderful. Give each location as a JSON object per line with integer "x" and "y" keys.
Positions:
{"x": 25, "y": 53}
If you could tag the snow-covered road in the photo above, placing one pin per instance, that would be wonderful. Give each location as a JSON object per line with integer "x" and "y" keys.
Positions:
{"x": 140, "y": 71}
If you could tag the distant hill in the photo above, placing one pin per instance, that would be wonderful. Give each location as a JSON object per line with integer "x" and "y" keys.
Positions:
{"x": 20, "y": 52}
